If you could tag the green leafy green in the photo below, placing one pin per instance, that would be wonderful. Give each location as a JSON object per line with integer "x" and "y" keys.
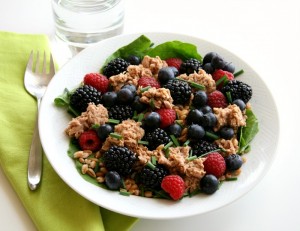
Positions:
{"x": 175, "y": 49}
{"x": 63, "y": 100}
{"x": 248, "y": 132}
{"x": 137, "y": 47}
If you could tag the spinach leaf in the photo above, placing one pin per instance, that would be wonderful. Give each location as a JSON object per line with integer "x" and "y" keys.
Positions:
{"x": 248, "y": 132}
{"x": 138, "y": 47}
{"x": 63, "y": 100}
{"x": 175, "y": 49}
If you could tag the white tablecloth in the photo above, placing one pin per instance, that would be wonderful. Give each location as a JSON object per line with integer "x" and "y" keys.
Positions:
{"x": 266, "y": 34}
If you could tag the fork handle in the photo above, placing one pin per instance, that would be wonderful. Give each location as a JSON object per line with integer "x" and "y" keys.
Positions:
{"x": 35, "y": 158}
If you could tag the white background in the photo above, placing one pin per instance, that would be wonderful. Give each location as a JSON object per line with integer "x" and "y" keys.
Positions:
{"x": 264, "y": 33}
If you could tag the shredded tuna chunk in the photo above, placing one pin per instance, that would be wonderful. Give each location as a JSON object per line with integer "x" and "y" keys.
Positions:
{"x": 201, "y": 78}
{"x": 229, "y": 146}
{"x": 138, "y": 71}
{"x": 118, "y": 81}
{"x": 158, "y": 98}
{"x": 191, "y": 183}
{"x": 93, "y": 115}
{"x": 143, "y": 155}
{"x": 195, "y": 168}
{"x": 230, "y": 116}
{"x": 130, "y": 132}
{"x": 154, "y": 64}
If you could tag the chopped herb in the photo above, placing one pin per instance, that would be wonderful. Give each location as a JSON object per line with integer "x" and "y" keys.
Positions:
{"x": 113, "y": 121}
{"x": 153, "y": 160}
{"x": 116, "y": 135}
{"x": 95, "y": 126}
{"x": 231, "y": 178}
{"x": 143, "y": 142}
{"x": 175, "y": 141}
{"x": 145, "y": 89}
{"x": 236, "y": 74}
{"x": 150, "y": 165}
{"x": 186, "y": 143}
{"x": 205, "y": 154}
{"x": 124, "y": 192}
{"x": 152, "y": 103}
{"x": 228, "y": 95}
{"x": 168, "y": 145}
{"x": 211, "y": 135}
{"x": 167, "y": 153}
{"x": 221, "y": 80}
{"x": 192, "y": 158}
{"x": 140, "y": 117}
{"x": 197, "y": 85}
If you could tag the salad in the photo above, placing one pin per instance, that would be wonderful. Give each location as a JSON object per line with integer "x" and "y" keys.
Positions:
{"x": 160, "y": 121}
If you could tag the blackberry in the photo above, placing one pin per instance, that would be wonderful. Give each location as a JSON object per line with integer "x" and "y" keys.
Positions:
{"x": 190, "y": 66}
{"x": 156, "y": 138}
{"x": 115, "y": 67}
{"x": 119, "y": 159}
{"x": 201, "y": 147}
{"x": 84, "y": 95}
{"x": 238, "y": 90}
{"x": 152, "y": 178}
{"x": 180, "y": 91}
{"x": 120, "y": 112}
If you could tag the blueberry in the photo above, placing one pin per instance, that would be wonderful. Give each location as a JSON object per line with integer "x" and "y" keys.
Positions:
{"x": 125, "y": 96}
{"x": 133, "y": 60}
{"x": 152, "y": 120}
{"x": 175, "y": 70}
{"x": 109, "y": 99}
{"x": 205, "y": 109}
{"x": 174, "y": 129}
{"x": 200, "y": 99}
{"x": 131, "y": 87}
{"x": 113, "y": 180}
{"x": 209, "y": 184}
{"x": 104, "y": 130}
{"x": 226, "y": 132}
{"x": 208, "y": 68}
{"x": 209, "y": 119}
{"x": 137, "y": 105}
{"x": 218, "y": 62}
{"x": 240, "y": 103}
{"x": 208, "y": 57}
{"x": 194, "y": 117}
{"x": 233, "y": 162}
{"x": 165, "y": 74}
{"x": 195, "y": 132}
{"x": 229, "y": 67}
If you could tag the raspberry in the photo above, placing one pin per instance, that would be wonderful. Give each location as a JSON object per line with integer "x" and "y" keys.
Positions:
{"x": 148, "y": 81}
{"x": 174, "y": 185}
{"x": 89, "y": 140}
{"x": 167, "y": 117}
{"x": 174, "y": 62}
{"x": 215, "y": 164}
{"x": 98, "y": 81}
{"x": 217, "y": 99}
{"x": 218, "y": 74}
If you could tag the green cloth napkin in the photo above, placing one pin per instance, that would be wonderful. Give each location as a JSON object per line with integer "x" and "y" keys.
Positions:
{"x": 54, "y": 205}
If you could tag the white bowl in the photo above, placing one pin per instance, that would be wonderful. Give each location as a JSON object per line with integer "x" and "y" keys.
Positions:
{"x": 54, "y": 120}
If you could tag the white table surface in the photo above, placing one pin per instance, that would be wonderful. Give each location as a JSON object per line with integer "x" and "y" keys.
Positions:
{"x": 266, "y": 34}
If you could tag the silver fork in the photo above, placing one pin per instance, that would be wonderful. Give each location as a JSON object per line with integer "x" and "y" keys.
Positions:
{"x": 36, "y": 83}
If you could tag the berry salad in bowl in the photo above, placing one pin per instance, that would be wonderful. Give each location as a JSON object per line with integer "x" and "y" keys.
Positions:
{"x": 159, "y": 123}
